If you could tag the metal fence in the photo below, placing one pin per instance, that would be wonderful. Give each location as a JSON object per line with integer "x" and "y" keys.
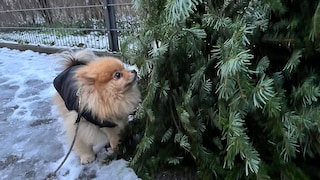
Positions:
{"x": 95, "y": 24}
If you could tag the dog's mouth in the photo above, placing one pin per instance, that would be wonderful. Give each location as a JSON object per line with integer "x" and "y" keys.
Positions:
{"x": 134, "y": 80}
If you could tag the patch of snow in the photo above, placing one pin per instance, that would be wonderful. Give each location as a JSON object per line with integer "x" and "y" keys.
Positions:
{"x": 33, "y": 144}
{"x": 94, "y": 40}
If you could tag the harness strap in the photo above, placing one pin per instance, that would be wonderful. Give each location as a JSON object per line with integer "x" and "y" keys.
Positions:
{"x": 105, "y": 123}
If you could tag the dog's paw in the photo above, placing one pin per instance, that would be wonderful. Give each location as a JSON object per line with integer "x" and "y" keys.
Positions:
{"x": 88, "y": 158}
{"x": 111, "y": 157}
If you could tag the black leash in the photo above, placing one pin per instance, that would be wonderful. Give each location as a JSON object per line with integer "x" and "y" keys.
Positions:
{"x": 53, "y": 175}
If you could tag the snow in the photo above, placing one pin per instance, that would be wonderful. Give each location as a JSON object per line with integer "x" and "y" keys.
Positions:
{"x": 94, "y": 40}
{"x": 33, "y": 142}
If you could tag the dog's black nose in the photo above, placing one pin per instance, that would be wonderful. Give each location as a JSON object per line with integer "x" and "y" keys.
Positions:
{"x": 134, "y": 71}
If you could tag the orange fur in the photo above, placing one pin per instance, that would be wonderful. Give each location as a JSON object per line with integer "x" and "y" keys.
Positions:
{"x": 107, "y": 97}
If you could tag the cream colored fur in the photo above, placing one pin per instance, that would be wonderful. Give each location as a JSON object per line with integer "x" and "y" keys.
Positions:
{"x": 106, "y": 96}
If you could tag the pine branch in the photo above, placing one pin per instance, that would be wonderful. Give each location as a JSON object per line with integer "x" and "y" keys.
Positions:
{"x": 243, "y": 95}
{"x": 143, "y": 146}
{"x": 255, "y": 113}
{"x": 315, "y": 31}
{"x": 238, "y": 143}
{"x": 294, "y": 61}
{"x": 167, "y": 135}
{"x": 308, "y": 92}
{"x": 172, "y": 106}
{"x": 175, "y": 160}
{"x": 262, "y": 65}
{"x": 183, "y": 141}
{"x": 179, "y": 10}
{"x": 290, "y": 137}
{"x": 264, "y": 91}
{"x": 273, "y": 107}
{"x": 235, "y": 64}
{"x": 216, "y": 21}
{"x": 158, "y": 50}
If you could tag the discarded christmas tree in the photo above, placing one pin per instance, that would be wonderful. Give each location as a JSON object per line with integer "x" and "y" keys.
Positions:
{"x": 230, "y": 87}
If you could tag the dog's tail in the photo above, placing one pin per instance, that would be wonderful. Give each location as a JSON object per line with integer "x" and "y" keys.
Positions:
{"x": 72, "y": 58}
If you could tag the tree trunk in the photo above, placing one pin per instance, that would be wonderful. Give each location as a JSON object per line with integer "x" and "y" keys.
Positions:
{"x": 45, "y": 13}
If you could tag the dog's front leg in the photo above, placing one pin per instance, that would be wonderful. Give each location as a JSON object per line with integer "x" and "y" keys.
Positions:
{"x": 113, "y": 136}
{"x": 85, "y": 151}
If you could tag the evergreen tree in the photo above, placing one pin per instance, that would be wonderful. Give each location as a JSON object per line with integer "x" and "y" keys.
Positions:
{"x": 230, "y": 87}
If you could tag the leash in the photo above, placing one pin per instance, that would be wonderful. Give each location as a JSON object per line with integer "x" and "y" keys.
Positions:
{"x": 53, "y": 175}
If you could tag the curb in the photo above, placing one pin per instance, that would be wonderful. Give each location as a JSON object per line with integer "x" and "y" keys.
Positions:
{"x": 49, "y": 50}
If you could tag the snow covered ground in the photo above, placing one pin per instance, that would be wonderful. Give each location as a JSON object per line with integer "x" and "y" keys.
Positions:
{"x": 94, "y": 40}
{"x": 32, "y": 140}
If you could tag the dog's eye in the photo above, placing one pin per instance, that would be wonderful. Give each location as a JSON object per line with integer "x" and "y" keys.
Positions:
{"x": 117, "y": 75}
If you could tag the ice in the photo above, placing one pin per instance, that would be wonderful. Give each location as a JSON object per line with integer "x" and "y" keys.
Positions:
{"x": 32, "y": 141}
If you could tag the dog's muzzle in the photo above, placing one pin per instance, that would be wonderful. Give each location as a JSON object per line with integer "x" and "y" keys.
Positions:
{"x": 134, "y": 80}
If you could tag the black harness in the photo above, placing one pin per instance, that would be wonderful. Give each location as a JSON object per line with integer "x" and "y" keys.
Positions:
{"x": 67, "y": 88}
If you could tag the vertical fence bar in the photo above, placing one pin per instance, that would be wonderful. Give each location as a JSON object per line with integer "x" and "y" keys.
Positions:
{"x": 111, "y": 24}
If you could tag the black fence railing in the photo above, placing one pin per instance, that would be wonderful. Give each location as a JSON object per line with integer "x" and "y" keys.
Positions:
{"x": 95, "y": 24}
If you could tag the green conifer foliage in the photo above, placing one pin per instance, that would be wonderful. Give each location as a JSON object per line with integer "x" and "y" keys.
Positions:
{"x": 230, "y": 88}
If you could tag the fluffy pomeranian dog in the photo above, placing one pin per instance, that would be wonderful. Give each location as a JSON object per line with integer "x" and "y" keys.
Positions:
{"x": 103, "y": 91}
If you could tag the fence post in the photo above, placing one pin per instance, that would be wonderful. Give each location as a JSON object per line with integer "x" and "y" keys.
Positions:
{"x": 111, "y": 24}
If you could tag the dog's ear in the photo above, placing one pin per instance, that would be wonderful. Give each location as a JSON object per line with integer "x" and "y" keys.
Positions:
{"x": 86, "y": 76}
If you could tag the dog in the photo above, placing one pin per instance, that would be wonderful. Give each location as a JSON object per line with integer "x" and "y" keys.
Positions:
{"x": 102, "y": 92}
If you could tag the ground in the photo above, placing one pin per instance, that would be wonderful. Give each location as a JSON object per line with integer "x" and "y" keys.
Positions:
{"x": 32, "y": 141}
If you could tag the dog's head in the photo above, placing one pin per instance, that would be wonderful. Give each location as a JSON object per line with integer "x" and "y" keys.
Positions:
{"x": 108, "y": 88}
{"x": 107, "y": 75}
